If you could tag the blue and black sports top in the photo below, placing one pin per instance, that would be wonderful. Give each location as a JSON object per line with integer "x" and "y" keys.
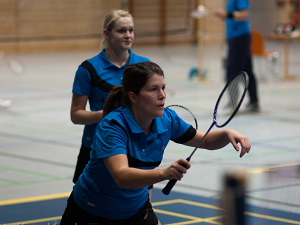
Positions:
{"x": 118, "y": 133}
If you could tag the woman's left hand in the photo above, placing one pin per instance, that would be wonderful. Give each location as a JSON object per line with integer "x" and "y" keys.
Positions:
{"x": 236, "y": 138}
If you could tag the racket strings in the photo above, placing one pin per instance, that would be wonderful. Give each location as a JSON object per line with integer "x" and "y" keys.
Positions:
{"x": 185, "y": 114}
{"x": 225, "y": 98}
{"x": 231, "y": 99}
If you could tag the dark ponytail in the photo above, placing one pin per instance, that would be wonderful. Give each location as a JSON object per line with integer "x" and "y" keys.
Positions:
{"x": 114, "y": 100}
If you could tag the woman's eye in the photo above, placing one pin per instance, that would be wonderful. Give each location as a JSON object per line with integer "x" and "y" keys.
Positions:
{"x": 124, "y": 31}
{"x": 153, "y": 89}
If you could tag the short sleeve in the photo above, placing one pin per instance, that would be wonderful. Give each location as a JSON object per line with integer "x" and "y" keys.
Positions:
{"x": 109, "y": 140}
{"x": 82, "y": 82}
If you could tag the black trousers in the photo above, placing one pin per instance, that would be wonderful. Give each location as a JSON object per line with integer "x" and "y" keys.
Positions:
{"x": 239, "y": 58}
{"x": 82, "y": 159}
{"x": 74, "y": 215}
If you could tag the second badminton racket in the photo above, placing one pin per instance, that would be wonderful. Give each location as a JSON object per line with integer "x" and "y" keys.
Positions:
{"x": 226, "y": 107}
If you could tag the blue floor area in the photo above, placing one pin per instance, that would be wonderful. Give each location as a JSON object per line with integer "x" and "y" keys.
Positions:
{"x": 176, "y": 208}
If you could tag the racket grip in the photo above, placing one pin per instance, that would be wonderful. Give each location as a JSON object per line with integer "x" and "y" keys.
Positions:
{"x": 167, "y": 189}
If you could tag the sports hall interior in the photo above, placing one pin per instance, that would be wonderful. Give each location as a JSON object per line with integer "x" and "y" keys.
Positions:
{"x": 39, "y": 144}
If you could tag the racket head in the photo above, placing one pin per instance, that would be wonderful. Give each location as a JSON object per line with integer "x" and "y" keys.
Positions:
{"x": 185, "y": 114}
{"x": 231, "y": 99}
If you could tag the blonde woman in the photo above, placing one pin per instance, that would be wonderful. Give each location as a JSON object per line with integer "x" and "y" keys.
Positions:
{"x": 96, "y": 76}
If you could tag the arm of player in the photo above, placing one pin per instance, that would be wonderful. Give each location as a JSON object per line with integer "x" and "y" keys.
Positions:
{"x": 220, "y": 138}
{"x": 241, "y": 15}
{"x": 220, "y": 13}
{"x": 79, "y": 115}
{"x": 129, "y": 177}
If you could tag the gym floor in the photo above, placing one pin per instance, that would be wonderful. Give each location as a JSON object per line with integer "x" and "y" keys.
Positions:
{"x": 39, "y": 144}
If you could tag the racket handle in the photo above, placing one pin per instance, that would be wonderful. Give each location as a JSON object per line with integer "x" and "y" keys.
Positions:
{"x": 167, "y": 189}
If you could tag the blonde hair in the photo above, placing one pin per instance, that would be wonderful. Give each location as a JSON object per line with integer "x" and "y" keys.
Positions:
{"x": 110, "y": 20}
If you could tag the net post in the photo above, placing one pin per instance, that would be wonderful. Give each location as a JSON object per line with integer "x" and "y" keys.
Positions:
{"x": 233, "y": 198}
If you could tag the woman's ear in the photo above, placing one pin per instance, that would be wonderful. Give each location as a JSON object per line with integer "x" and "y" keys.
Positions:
{"x": 132, "y": 97}
{"x": 106, "y": 34}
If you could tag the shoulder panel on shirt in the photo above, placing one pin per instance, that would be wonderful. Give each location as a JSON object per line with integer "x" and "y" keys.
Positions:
{"x": 96, "y": 80}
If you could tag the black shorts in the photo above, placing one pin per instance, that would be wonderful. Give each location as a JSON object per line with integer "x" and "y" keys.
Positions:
{"x": 75, "y": 215}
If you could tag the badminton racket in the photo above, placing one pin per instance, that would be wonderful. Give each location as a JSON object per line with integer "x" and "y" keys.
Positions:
{"x": 226, "y": 107}
{"x": 14, "y": 64}
{"x": 185, "y": 114}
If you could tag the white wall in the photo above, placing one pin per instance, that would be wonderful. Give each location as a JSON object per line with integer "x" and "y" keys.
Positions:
{"x": 264, "y": 15}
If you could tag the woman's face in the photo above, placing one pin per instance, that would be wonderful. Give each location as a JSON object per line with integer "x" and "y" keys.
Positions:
{"x": 151, "y": 99}
{"x": 122, "y": 35}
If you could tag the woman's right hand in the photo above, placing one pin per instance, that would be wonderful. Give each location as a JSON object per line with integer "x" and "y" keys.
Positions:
{"x": 177, "y": 169}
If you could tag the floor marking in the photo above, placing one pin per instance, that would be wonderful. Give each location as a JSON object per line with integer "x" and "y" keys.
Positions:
{"x": 271, "y": 168}
{"x": 34, "y": 199}
{"x": 272, "y": 218}
{"x": 35, "y": 221}
{"x": 192, "y": 218}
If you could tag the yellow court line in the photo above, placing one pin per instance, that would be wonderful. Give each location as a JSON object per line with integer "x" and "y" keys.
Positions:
{"x": 186, "y": 202}
{"x": 199, "y": 204}
{"x": 36, "y": 221}
{"x": 193, "y": 222}
{"x": 194, "y": 219}
{"x": 166, "y": 202}
{"x": 34, "y": 199}
{"x": 270, "y": 168}
{"x": 272, "y": 218}
{"x": 212, "y": 207}
{"x": 177, "y": 214}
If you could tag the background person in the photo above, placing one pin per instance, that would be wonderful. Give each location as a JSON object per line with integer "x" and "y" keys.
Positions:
{"x": 129, "y": 144}
{"x": 109, "y": 65}
{"x": 239, "y": 56}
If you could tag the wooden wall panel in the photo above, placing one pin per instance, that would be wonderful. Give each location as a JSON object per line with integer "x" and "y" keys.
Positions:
{"x": 211, "y": 28}
{"x": 8, "y": 23}
{"x": 56, "y": 17}
{"x": 52, "y": 25}
{"x": 146, "y": 16}
{"x": 55, "y": 25}
{"x": 163, "y": 21}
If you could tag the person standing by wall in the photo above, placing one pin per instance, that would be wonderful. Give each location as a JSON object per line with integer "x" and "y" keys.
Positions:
{"x": 239, "y": 56}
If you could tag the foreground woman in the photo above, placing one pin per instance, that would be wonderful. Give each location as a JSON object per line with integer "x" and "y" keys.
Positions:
{"x": 129, "y": 144}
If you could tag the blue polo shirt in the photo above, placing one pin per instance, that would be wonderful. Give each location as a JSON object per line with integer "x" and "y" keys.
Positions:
{"x": 96, "y": 191}
{"x": 236, "y": 28}
{"x": 107, "y": 71}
